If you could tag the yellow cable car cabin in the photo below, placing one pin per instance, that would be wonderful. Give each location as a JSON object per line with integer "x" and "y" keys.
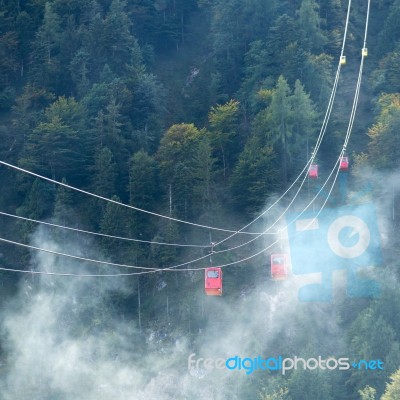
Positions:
{"x": 342, "y": 60}
{"x": 364, "y": 52}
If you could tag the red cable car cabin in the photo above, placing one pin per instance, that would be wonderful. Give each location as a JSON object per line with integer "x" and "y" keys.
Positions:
{"x": 279, "y": 266}
{"x": 313, "y": 171}
{"x": 213, "y": 281}
{"x": 344, "y": 164}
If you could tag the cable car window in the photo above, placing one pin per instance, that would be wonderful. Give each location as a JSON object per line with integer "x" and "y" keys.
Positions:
{"x": 213, "y": 274}
{"x": 278, "y": 260}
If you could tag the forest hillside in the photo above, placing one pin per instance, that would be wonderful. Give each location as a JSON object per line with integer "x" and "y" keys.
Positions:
{"x": 143, "y": 141}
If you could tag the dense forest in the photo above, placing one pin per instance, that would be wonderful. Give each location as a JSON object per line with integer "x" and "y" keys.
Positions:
{"x": 203, "y": 112}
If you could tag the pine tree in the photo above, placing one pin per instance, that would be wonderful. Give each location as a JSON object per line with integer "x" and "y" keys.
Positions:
{"x": 224, "y": 136}
{"x": 45, "y": 62}
{"x": 312, "y": 37}
{"x": 281, "y": 123}
{"x": 255, "y": 176}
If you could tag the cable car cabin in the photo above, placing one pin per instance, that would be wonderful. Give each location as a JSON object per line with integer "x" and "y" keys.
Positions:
{"x": 342, "y": 60}
{"x": 364, "y": 52}
{"x": 279, "y": 267}
{"x": 313, "y": 171}
{"x": 213, "y": 281}
{"x": 344, "y": 164}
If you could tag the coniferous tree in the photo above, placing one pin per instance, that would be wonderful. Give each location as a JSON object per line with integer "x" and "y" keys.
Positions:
{"x": 143, "y": 191}
{"x": 45, "y": 61}
{"x": 175, "y": 155}
{"x": 255, "y": 176}
{"x": 393, "y": 388}
{"x": 58, "y": 145}
{"x": 224, "y": 135}
{"x": 312, "y": 37}
{"x": 113, "y": 222}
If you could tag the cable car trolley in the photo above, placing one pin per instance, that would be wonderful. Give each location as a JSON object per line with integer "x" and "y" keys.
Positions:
{"x": 313, "y": 171}
{"x": 213, "y": 281}
{"x": 344, "y": 163}
{"x": 279, "y": 267}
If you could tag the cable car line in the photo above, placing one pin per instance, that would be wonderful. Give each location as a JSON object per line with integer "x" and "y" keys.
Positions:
{"x": 152, "y": 270}
{"x": 149, "y": 270}
{"x": 32, "y": 272}
{"x": 352, "y": 115}
{"x": 72, "y": 256}
{"x": 165, "y": 216}
{"x": 102, "y": 234}
{"x": 336, "y": 166}
{"x": 168, "y": 269}
{"x": 118, "y": 202}
{"x": 316, "y": 148}
{"x": 174, "y": 267}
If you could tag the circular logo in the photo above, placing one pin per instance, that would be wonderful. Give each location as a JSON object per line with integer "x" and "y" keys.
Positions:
{"x": 354, "y": 241}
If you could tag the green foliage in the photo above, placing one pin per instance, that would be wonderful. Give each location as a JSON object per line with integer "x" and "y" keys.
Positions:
{"x": 224, "y": 127}
{"x": 372, "y": 338}
{"x": 165, "y": 256}
{"x": 305, "y": 385}
{"x": 58, "y": 145}
{"x": 312, "y": 38}
{"x": 393, "y": 388}
{"x": 384, "y": 146}
{"x": 46, "y": 48}
{"x": 280, "y": 116}
{"x": 288, "y": 122}
{"x": 368, "y": 393}
{"x": 28, "y": 108}
{"x": 37, "y": 204}
{"x": 178, "y": 147}
{"x": 148, "y": 111}
{"x": 113, "y": 222}
{"x": 318, "y": 77}
{"x": 255, "y": 177}
{"x": 389, "y": 30}
{"x": 64, "y": 213}
{"x": 162, "y": 23}
{"x": 231, "y": 34}
{"x": 94, "y": 92}
{"x": 255, "y": 71}
{"x": 143, "y": 189}
{"x": 109, "y": 40}
{"x": 280, "y": 36}
{"x": 281, "y": 394}
{"x": 8, "y": 58}
{"x": 204, "y": 176}
{"x": 304, "y": 123}
{"x": 386, "y": 77}
{"x": 143, "y": 180}
{"x": 63, "y": 200}
{"x": 104, "y": 173}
